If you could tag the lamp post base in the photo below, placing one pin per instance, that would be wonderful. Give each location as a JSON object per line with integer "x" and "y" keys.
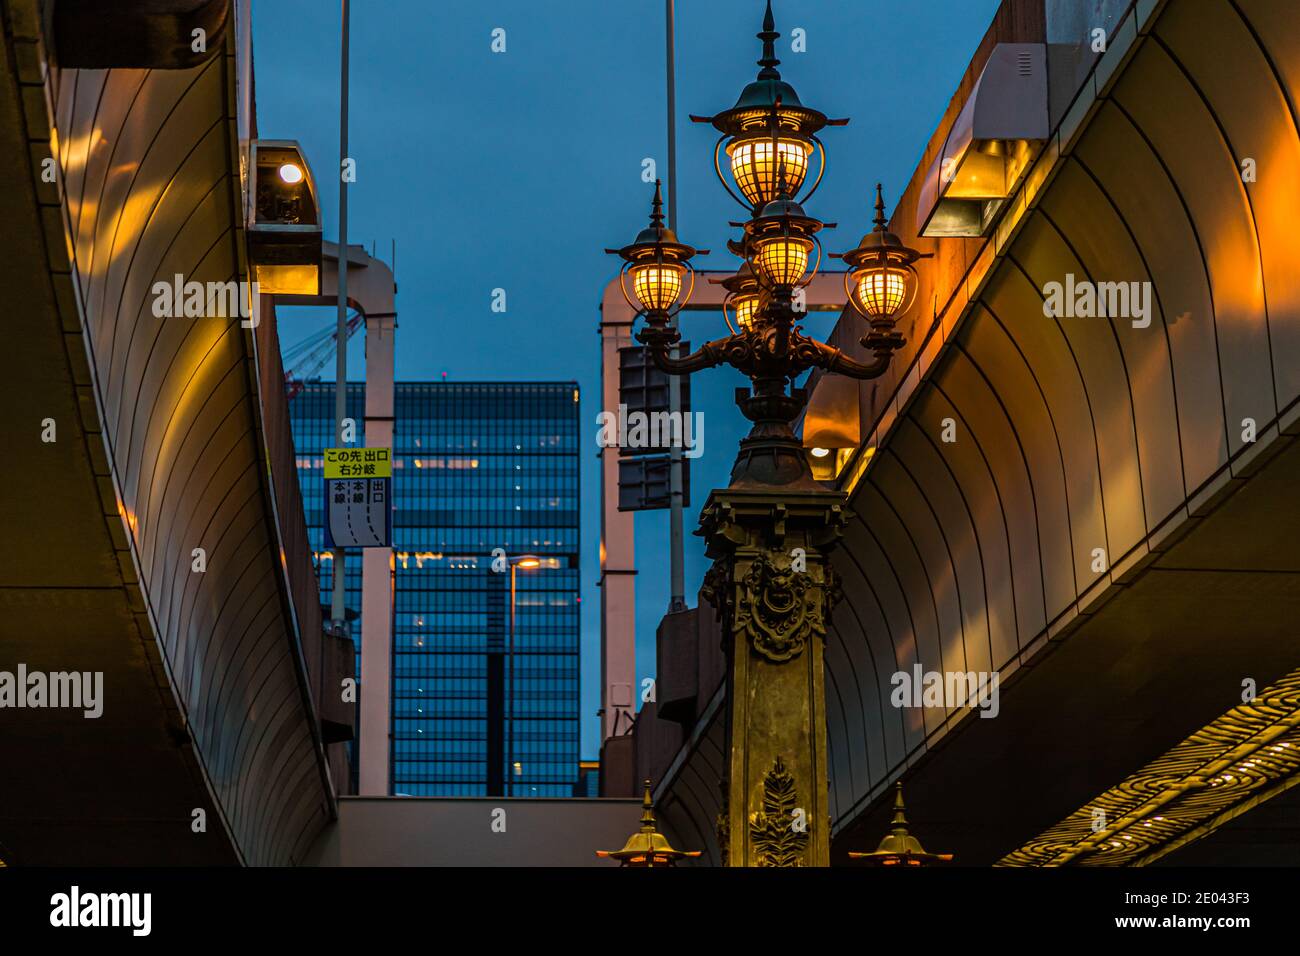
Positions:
{"x": 769, "y": 534}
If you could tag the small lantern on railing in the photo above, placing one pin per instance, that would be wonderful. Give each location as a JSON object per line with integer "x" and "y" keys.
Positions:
{"x": 647, "y": 847}
{"x": 899, "y": 847}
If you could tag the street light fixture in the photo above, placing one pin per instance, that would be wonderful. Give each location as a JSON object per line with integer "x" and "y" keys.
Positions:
{"x": 769, "y": 532}
{"x": 742, "y": 298}
{"x": 779, "y": 242}
{"x": 881, "y": 283}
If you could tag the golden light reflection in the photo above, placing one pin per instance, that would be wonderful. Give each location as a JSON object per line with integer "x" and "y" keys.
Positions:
{"x": 1246, "y": 756}
{"x": 128, "y": 516}
{"x": 420, "y": 557}
{"x": 864, "y": 461}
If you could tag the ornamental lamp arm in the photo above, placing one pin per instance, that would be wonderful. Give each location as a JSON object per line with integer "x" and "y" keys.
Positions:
{"x": 708, "y": 355}
{"x": 834, "y": 360}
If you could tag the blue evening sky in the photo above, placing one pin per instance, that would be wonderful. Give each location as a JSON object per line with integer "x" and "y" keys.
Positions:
{"x": 515, "y": 170}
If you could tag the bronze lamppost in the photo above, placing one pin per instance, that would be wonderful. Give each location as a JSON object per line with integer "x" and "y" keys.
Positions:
{"x": 770, "y": 530}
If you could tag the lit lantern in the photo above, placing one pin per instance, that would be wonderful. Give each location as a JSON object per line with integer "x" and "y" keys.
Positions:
{"x": 755, "y": 170}
{"x": 742, "y": 301}
{"x": 768, "y": 134}
{"x": 657, "y": 285}
{"x": 659, "y": 268}
{"x": 779, "y": 243}
{"x": 881, "y": 282}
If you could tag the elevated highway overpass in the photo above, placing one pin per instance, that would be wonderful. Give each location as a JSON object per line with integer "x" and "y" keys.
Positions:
{"x": 150, "y": 528}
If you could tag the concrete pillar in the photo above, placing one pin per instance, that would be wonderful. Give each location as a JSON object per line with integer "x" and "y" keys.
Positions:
{"x": 377, "y": 573}
{"x": 617, "y": 551}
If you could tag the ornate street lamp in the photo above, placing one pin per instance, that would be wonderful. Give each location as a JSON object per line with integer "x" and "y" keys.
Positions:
{"x": 647, "y": 847}
{"x": 770, "y": 530}
{"x": 899, "y": 847}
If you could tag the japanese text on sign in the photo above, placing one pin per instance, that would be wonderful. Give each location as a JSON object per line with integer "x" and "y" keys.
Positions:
{"x": 358, "y": 463}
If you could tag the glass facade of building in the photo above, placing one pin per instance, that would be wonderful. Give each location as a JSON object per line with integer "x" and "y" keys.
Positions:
{"x": 484, "y": 473}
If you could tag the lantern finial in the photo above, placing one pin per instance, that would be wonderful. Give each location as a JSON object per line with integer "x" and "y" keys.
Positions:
{"x": 880, "y": 221}
{"x": 769, "y": 36}
{"x": 657, "y": 207}
{"x": 647, "y": 810}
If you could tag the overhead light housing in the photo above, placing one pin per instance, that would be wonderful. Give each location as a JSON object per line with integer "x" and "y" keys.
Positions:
{"x": 832, "y": 424}
{"x": 284, "y": 223}
{"x": 990, "y": 144}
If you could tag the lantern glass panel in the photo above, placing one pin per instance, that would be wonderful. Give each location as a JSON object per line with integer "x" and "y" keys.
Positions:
{"x": 881, "y": 291}
{"x": 755, "y": 172}
{"x": 782, "y": 260}
{"x": 746, "y": 306}
{"x": 657, "y": 285}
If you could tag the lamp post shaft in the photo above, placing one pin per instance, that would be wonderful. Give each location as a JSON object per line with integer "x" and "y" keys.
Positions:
{"x": 337, "y": 610}
{"x": 676, "y": 504}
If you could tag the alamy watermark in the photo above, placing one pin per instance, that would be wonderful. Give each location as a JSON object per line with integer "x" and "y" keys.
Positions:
{"x": 179, "y": 299}
{"x": 1086, "y": 300}
{"x": 947, "y": 689}
{"x": 77, "y": 909}
{"x": 638, "y": 429}
{"x": 74, "y": 690}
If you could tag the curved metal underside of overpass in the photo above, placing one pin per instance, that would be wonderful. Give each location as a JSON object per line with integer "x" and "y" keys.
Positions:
{"x": 161, "y": 449}
{"x": 1078, "y": 434}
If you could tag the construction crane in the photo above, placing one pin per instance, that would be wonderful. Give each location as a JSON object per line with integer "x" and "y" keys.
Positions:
{"x": 303, "y": 362}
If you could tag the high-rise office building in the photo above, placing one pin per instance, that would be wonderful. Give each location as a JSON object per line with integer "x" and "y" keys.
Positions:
{"x": 484, "y": 474}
